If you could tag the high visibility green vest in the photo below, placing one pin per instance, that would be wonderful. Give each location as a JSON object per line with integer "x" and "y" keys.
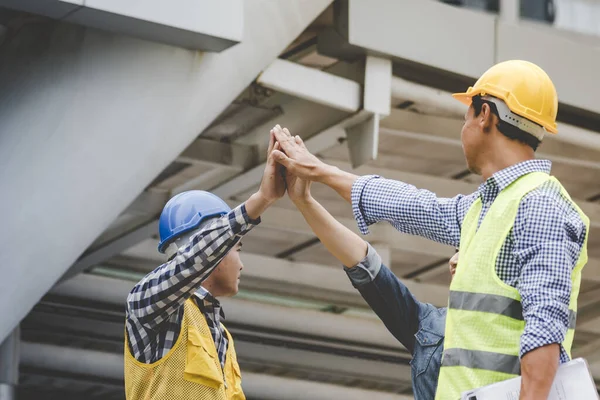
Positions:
{"x": 485, "y": 319}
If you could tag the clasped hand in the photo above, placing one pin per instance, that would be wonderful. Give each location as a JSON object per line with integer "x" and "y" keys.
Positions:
{"x": 289, "y": 165}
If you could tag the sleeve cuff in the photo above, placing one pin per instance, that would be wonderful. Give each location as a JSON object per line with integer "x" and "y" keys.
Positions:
{"x": 539, "y": 335}
{"x": 240, "y": 222}
{"x": 366, "y": 270}
{"x": 356, "y": 196}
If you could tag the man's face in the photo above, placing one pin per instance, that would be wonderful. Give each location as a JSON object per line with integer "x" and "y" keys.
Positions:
{"x": 225, "y": 279}
{"x": 472, "y": 137}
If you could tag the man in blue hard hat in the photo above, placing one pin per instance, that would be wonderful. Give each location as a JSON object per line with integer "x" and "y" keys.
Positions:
{"x": 176, "y": 346}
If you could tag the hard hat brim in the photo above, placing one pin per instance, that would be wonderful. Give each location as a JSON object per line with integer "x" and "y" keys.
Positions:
{"x": 464, "y": 98}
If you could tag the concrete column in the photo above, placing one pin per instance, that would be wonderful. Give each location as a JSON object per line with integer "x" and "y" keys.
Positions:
{"x": 510, "y": 10}
{"x": 89, "y": 118}
{"x": 9, "y": 365}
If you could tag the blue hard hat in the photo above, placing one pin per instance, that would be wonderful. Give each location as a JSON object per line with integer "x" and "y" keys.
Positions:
{"x": 185, "y": 211}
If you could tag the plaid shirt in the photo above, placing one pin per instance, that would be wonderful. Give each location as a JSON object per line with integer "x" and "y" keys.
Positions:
{"x": 537, "y": 257}
{"x": 155, "y": 304}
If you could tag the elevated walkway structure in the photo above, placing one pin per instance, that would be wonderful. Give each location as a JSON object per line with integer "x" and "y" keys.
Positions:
{"x": 106, "y": 112}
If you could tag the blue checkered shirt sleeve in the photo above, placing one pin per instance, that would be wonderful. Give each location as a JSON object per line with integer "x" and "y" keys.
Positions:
{"x": 155, "y": 304}
{"x": 537, "y": 257}
{"x": 408, "y": 209}
{"x": 548, "y": 236}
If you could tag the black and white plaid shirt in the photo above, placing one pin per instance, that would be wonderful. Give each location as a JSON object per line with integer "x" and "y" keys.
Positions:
{"x": 155, "y": 304}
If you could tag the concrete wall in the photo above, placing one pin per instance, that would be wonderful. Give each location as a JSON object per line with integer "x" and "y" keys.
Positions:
{"x": 89, "y": 118}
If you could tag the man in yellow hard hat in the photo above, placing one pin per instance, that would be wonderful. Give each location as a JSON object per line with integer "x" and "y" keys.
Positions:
{"x": 522, "y": 240}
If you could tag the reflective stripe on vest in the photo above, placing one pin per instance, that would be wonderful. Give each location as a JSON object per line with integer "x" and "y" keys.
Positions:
{"x": 484, "y": 321}
{"x": 493, "y": 303}
{"x": 482, "y": 360}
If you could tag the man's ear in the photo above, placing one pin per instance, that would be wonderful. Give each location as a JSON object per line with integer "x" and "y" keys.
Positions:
{"x": 487, "y": 119}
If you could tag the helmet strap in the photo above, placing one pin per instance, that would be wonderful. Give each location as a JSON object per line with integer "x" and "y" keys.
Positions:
{"x": 506, "y": 115}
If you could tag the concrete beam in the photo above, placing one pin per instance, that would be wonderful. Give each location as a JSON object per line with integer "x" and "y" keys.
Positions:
{"x": 378, "y": 86}
{"x": 194, "y": 24}
{"x": 498, "y": 40}
{"x": 363, "y": 140}
{"x": 312, "y": 84}
{"x": 65, "y": 193}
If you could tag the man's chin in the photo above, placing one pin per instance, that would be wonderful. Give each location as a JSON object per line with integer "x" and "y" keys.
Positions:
{"x": 234, "y": 290}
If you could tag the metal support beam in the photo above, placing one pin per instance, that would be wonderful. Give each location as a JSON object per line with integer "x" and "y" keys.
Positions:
{"x": 439, "y": 102}
{"x": 330, "y": 364}
{"x": 249, "y": 313}
{"x": 110, "y": 366}
{"x": 9, "y": 365}
{"x": 220, "y": 154}
{"x": 116, "y": 246}
{"x": 277, "y": 388}
{"x": 322, "y": 141}
{"x": 312, "y": 84}
{"x": 152, "y": 203}
{"x": 92, "y": 83}
{"x": 298, "y": 279}
{"x": 292, "y": 221}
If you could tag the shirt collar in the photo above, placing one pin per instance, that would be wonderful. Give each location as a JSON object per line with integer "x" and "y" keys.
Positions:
{"x": 503, "y": 178}
{"x": 207, "y": 300}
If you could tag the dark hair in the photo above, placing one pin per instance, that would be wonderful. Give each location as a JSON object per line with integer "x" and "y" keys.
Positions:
{"x": 508, "y": 130}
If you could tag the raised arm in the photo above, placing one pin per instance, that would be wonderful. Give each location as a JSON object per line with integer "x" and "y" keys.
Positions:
{"x": 408, "y": 209}
{"x": 382, "y": 290}
{"x": 164, "y": 290}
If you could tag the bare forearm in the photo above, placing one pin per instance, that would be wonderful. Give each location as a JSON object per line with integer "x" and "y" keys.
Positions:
{"x": 340, "y": 241}
{"x": 538, "y": 368}
{"x": 256, "y": 205}
{"x": 337, "y": 179}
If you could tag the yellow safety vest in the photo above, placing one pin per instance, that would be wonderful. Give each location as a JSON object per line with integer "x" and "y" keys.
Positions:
{"x": 485, "y": 321}
{"x": 191, "y": 370}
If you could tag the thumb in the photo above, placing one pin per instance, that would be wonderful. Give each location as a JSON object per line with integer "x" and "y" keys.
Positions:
{"x": 281, "y": 158}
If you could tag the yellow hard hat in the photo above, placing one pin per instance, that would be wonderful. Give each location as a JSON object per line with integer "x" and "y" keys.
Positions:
{"x": 525, "y": 88}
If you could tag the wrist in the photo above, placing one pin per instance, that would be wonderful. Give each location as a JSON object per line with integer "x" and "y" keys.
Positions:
{"x": 261, "y": 198}
{"x": 325, "y": 172}
{"x": 303, "y": 201}
{"x": 256, "y": 204}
